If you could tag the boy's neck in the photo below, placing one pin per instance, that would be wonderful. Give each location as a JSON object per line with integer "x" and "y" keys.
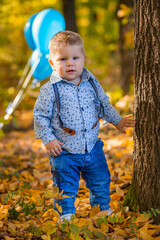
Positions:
{"x": 76, "y": 82}
{"x": 80, "y": 80}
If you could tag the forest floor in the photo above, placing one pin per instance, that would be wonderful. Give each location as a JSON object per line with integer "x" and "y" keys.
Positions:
{"x": 26, "y": 200}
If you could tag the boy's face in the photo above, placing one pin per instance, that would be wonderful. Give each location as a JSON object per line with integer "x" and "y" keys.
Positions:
{"x": 68, "y": 61}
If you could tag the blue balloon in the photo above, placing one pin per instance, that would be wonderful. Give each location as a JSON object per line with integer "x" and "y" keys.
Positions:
{"x": 42, "y": 67}
{"x": 46, "y": 24}
{"x": 28, "y": 32}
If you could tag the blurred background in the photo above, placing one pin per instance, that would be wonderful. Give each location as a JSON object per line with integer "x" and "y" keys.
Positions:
{"x": 107, "y": 30}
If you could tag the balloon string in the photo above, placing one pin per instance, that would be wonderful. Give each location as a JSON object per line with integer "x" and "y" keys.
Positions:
{"x": 21, "y": 80}
{"x": 20, "y": 94}
{"x": 24, "y": 72}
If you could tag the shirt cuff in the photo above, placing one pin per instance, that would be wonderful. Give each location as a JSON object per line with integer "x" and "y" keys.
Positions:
{"x": 48, "y": 138}
{"x": 114, "y": 121}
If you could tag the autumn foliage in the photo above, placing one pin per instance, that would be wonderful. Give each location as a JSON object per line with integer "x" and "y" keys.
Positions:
{"x": 27, "y": 196}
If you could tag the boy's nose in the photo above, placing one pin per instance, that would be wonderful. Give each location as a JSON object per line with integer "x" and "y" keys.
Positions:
{"x": 69, "y": 63}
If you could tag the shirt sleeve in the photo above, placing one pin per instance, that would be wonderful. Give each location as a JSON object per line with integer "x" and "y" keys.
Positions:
{"x": 110, "y": 113}
{"x": 43, "y": 112}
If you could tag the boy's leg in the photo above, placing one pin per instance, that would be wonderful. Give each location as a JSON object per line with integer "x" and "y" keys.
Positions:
{"x": 97, "y": 177}
{"x": 66, "y": 175}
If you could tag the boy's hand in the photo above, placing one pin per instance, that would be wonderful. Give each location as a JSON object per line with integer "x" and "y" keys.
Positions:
{"x": 125, "y": 122}
{"x": 54, "y": 147}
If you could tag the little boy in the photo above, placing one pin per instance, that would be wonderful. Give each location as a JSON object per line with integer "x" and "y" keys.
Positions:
{"x": 66, "y": 120}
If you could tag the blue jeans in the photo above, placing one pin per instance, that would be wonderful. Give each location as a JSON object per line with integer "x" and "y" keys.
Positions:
{"x": 66, "y": 169}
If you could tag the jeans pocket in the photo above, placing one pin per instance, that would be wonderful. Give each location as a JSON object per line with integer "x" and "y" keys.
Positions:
{"x": 51, "y": 163}
{"x": 99, "y": 143}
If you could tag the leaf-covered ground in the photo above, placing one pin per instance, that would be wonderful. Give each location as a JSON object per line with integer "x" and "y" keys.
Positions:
{"x": 27, "y": 196}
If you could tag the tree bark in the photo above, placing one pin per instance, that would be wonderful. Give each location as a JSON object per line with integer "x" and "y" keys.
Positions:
{"x": 126, "y": 53}
{"x": 146, "y": 172}
{"x": 69, "y": 15}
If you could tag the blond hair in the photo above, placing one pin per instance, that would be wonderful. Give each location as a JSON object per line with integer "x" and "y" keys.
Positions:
{"x": 64, "y": 38}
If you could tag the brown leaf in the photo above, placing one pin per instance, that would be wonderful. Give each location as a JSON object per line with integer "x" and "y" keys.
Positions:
{"x": 119, "y": 191}
{"x": 9, "y": 238}
{"x": 1, "y": 224}
{"x": 145, "y": 236}
{"x": 100, "y": 214}
{"x": 44, "y": 237}
{"x": 142, "y": 218}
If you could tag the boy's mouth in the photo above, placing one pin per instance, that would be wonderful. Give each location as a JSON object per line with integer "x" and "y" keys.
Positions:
{"x": 70, "y": 71}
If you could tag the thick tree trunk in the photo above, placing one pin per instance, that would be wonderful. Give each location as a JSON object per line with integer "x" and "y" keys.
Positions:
{"x": 146, "y": 179}
{"x": 69, "y": 15}
{"x": 126, "y": 52}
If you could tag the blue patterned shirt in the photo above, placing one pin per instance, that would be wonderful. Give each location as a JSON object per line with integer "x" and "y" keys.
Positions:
{"x": 78, "y": 110}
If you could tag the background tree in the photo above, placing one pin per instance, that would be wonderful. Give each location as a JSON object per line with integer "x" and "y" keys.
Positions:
{"x": 125, "y": 16}
{"x": 69, "y": 15}
{"x": 145, "y": 192}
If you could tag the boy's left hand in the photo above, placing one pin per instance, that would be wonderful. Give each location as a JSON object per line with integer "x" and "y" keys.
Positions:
{"x": 125, "y": 122}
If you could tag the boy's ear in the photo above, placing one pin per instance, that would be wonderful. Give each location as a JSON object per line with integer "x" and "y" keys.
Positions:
{"x": 51, "y": 63}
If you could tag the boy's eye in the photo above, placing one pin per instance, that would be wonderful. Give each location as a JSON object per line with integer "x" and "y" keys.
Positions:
{"x": 63, "y": 59}
{"x": 74, "y": 58}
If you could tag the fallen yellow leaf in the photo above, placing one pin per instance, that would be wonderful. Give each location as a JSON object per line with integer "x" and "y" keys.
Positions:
{"x": 8, "y": 238}
{"x": 13, "y": 186}
{"x": 12, "y": 227}
{"x": 100, "y": 214}
{"x": 50, "y": 193}
{"x": 146, "y": 236}
{"x": 127, "y": 177}
{"x": 119, "y": 154}
{"x": 82, "y": 213}
{"x": 120, "y": 214}
{"x": 94, "y": 211}
{"x": 49, "y": 227}
{"x": 44, "y": 237}
{"x": 119, "y": 191}
{"x": 1, "y": 224}
{"x": 59, "y": 208}
{"x": 153, "y": 226}
{"x": 51, "y": 213}
{"x": 25, "y": 175}
{"x": 83, "y": 222}
{"x": 2, "y": 188}
{"x": 104, "y": 227}
{"x": 76, "y": 202}
{"x": 22, "y": 226}
{"x": 142, "y": 218}
{"x": 85, "y": 200}
{"x": 115, "y": 197}
{"x": 122, "y": 233}
{"x": 3, "y": 215}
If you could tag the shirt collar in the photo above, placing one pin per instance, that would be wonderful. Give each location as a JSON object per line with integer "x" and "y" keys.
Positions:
{"x": 86, "y": 75}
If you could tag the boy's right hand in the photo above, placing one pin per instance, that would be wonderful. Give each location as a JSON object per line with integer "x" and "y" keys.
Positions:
{"x": 54, "y": 147}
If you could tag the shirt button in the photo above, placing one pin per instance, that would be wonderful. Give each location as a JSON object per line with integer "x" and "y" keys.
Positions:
{"x": 82, "y": 109}
{"x": 85, "y": 130}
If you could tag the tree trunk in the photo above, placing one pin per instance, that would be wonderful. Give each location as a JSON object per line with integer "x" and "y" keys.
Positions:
{"x": 69, "y": 15}
{"x": 146, "y": 174}
{"x": 126, "y": 52}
